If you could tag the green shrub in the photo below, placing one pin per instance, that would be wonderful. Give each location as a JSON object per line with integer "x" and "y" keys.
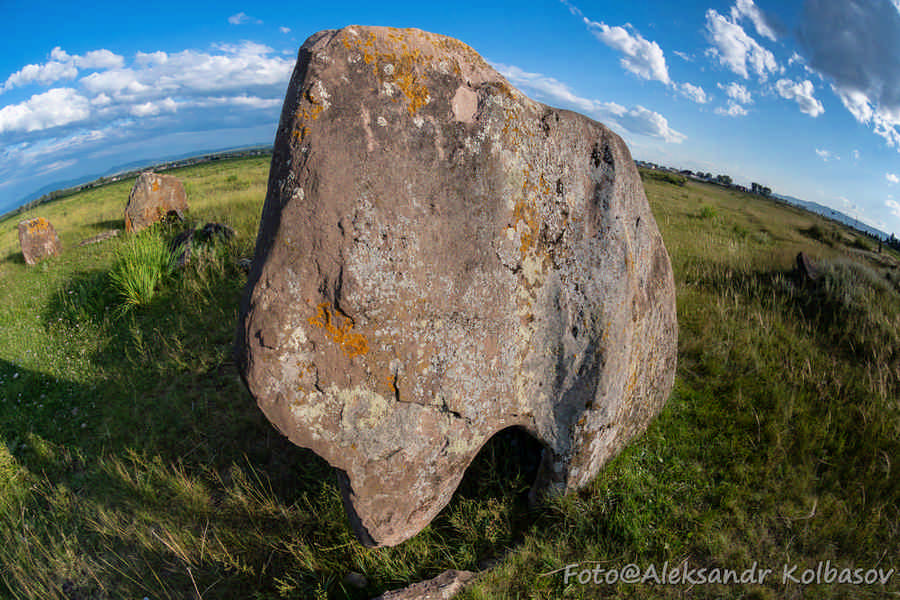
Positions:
{"x": 142, "y": 262}
{"x": 707, "y": 212}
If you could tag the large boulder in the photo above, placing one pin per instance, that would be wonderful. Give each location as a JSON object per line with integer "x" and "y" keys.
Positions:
{"x": 38, "y": 240}
{"x": 440, "y": 258}
{"x": 153, "y": 198}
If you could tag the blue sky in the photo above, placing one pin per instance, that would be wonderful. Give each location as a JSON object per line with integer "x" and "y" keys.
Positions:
{"x": 801, "y": 96}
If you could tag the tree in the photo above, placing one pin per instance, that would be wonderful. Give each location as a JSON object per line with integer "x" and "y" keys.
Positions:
{"x": 723, "y": 179}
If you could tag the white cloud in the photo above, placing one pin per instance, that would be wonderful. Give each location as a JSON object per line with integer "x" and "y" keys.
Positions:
{"x": 143, "y": 59}
{"x": 62, "y": 65}
{"x": 640, "y": 56}
{"x": 637, "y": 119}
{"x": 694, "y": 93}
{"x": 687, "y": 57}
{"x": 150, "y": 109}
{"x": 284, "y": 30}
{"x": 737, "y": 50}
{"x": 802, "y": 92}
{"x": 54, "y": 108}
{"x": 737, "y": 92}
{"x": 826, "y": 155}
{"x": 855, "y": 154}
{"x": 243, "y": 18}
{"x": 734, "y": 110}
{"x": 746, "y": 8}
{"x": 894, "y": 207}
{"x": 892, "y": 178}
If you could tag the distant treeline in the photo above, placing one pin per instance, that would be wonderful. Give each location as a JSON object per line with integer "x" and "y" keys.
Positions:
{"x": 133, "y": 173}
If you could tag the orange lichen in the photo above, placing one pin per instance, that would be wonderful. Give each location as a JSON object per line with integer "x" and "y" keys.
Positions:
{"x": 338, "y": 326}
{"x": 38, "y": 225}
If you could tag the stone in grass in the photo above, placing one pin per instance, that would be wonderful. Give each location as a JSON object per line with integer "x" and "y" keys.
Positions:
{"x": 38, "y": 240}
{"x": 441, "y": 258}
{"x": 443, "y": 587}
{"x": 185, "y": 242}
{"x": 100, "y": 237}
{"x": 153, "y": 198}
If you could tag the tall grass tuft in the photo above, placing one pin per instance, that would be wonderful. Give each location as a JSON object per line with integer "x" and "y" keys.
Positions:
{"x": 142, "y": 263}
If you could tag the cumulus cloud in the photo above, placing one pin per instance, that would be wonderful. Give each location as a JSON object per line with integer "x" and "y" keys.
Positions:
{"x": 54, "y": 108}
{"x": 802, "y": 92}
{"x": 243, "y": 18}
{"x": 746, "y": 8}
{"x": 62, "y": 66}
{"x": 826, "y": 155}
{"x": 683, "y": 56}
{"x": 693, "y": 92}
{"x": 245, "y": 77}
{"x": 892, "y": 178}
{"x": 639, "y": 56}
{"x": 734, "y": 110}
{"x": 737, "y": 92}
{"x": 637, "y": 119}
{"x": 857, "y": 45}
{"x": 284, "y": 30}
{"x": 736, "y": 50}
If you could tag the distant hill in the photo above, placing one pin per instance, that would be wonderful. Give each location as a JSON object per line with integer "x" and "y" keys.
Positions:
{"x": 836, "y": 215}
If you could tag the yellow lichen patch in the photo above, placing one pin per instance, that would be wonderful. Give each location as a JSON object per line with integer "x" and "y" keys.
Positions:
{"x": 397, "y": 65}
{"x": 339, "y": 326}
{"x": 155, "y": 185}
{"x": 38, "y": 225}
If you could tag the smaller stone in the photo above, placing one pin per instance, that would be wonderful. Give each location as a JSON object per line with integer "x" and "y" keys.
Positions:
{"x": 356, "y": 580}
{"x": 38, "y": 240}
{"x": 184, "y": 242}
{"x": 153, "y": 198}
{"x": 100, "y": 237}
{"x": 807, "y": 268}
{"x": 443, "y": 587}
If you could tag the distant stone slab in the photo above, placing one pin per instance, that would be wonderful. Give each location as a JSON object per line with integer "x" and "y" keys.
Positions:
{"x": 38, "y": 240}
{"x": 152, "y": 199}
{"x": 100, "y": 237}
{"x": 440, "y": 258}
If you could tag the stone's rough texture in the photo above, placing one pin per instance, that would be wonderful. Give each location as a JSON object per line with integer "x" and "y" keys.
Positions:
{"x": 443, "y": 587}
{"x": 38, "y": 240}
{"x": 440, "y": 258}
{"x": 153, "y": 198}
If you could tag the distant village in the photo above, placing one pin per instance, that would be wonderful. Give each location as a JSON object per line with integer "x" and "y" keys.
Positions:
{"x": 723, "y": 180}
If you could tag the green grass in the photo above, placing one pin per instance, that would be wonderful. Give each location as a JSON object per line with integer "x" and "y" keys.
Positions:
{"x": 133, "y": 463}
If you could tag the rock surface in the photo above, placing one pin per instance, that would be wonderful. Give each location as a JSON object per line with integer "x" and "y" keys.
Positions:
{"x": 38, "y": 240}
{"x": 443, "y": 587}
{"x": 440, "y": 258}
{"x": 152, "y": 199}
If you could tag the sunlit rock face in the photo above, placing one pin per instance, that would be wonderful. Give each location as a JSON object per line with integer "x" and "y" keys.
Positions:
{"x": 440, "y": 258}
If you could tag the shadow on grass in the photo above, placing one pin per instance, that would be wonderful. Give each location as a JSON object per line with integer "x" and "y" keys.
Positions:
{"x": 16, "y": 258}
{"x": 177, "y": 474}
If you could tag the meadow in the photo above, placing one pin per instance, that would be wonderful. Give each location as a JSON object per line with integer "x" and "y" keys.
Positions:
{"x": 134, "y": 463}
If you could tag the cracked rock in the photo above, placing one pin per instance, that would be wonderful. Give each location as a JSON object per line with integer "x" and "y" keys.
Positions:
{"x": 443, "y": 262}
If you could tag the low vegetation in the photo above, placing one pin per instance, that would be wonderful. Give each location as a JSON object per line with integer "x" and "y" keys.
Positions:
{"x": 134, "y": 464}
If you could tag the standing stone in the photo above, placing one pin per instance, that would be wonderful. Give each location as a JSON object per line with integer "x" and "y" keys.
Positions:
{"x": 152, "y": 199}
{"x": 440, "y": 258}
{"x": 38, "y": 240}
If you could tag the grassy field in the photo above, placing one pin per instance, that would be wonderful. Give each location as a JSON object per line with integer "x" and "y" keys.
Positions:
{"x": 134, "y": 464}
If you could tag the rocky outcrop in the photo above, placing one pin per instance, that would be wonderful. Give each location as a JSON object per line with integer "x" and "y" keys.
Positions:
{"x": 440, "y": 258}
{"x": 443, "y": 587}
{"x": 38, "y": 240}
{"x": 153, "y": 198}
